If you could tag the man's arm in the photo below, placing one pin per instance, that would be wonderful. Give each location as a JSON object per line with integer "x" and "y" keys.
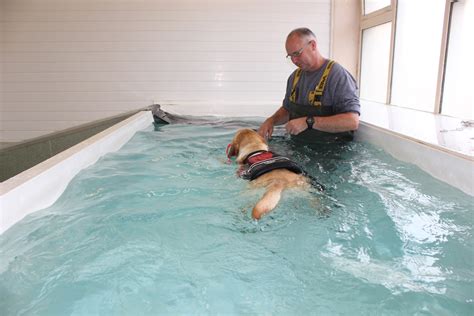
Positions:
{"x": 337, "y": 123}
{"x": 343, "y": 122}
{"x": 281, "y": 116}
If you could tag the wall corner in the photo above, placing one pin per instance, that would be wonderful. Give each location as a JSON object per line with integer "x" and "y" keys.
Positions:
{"x": 345, "y": 33}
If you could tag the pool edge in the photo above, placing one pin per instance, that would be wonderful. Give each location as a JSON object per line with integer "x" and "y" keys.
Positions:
{"x": 25, "y": 193}
{"x": 451, "y": 167}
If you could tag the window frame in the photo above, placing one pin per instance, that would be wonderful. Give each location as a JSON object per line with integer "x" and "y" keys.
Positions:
{"x": 376, "y": 18}
{"x": 389, "y": 14}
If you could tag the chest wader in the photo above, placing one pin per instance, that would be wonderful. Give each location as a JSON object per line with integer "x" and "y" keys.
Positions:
{"x": 314, "y": 108}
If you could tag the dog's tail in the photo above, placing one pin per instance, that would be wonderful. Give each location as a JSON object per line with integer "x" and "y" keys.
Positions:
{"x": 269, "y": 200}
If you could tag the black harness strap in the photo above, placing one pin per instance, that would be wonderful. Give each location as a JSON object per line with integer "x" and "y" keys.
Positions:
{"x": 260, "y": 168}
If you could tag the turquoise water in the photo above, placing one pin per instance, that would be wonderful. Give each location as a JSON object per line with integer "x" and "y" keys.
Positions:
{"x": 163, "y": 226}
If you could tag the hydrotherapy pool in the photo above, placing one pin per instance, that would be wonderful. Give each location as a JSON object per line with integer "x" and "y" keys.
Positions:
{"x": 163, "y": 226}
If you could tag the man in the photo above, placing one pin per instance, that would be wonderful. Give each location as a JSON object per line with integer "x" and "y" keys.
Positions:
{"x": 321, "y": 96}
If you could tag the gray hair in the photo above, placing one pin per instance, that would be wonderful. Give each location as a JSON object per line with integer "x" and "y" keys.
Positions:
{"x": 302, "y": 32}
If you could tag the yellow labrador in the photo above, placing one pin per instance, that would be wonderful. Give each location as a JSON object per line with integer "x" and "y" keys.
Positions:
{"x": 264, "y": 169}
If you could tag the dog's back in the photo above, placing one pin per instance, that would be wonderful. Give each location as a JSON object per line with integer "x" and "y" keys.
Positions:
{"x": 247, "y": 142}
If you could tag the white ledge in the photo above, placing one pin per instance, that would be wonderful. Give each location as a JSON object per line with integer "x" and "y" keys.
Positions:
{"x": 444, "y": 132}
{"x": 440, "y": 145}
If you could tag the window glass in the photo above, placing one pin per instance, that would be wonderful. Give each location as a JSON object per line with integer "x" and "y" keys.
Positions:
{"x": 374, "y": 5}
{"x": 375, "y": 62}
{"x": 417, "y": 53}
{"x": 458, "y": 98}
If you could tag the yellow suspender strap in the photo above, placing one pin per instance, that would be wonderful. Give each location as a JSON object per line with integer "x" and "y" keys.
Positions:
{"x": 316, "y": 95}
{"x": 295, "y": 82}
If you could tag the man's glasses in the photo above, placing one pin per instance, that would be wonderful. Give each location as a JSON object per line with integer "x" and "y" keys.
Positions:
{"x": 298, "y": 52}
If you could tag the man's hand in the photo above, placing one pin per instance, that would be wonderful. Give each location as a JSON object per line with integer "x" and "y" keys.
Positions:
{"x": 296, "y": 126}
{"x": 281, "y": 116}
{"x": 266, "y": 129}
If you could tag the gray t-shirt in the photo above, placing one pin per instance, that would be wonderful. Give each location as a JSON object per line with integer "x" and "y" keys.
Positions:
{"x": 340, "y": 91}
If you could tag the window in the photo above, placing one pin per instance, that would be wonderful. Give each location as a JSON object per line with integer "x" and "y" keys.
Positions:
{"x": 375, "y": 56}
{"x": 374, "y": 68}
{"x": 417, "y": 52}
{"x": 428, "y": 64}
{"x": 374, "y": 5}
{"x": 458, "y": 99}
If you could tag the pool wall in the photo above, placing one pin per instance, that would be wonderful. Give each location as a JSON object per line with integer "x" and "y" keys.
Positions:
{"x": 451, "y": 167}
{"x": 40, "y": 186}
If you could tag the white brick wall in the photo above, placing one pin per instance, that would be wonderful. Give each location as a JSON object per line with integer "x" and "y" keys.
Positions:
{"x": 67, "y": 62}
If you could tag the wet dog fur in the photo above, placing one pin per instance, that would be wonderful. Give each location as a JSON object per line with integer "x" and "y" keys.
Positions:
{"x": 275, "y": 182}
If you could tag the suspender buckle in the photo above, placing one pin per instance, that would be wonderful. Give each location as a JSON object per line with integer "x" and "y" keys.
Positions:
{"x": 315, "y": 98}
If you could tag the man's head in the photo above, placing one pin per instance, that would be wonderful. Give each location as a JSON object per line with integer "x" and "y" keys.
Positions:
{"x": 302, "y": 48}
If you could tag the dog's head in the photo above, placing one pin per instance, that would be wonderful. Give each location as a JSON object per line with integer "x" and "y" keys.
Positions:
{"x": 245, "y": 142}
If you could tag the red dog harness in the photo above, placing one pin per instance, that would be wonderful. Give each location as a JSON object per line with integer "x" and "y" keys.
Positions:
{"x": 260, "y": 162}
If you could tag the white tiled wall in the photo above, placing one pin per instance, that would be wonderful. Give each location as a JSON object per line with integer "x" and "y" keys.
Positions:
{"x": 66, "y": 62}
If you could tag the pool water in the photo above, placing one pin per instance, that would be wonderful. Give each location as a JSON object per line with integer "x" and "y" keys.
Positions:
{"x": 163, "y": 226}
